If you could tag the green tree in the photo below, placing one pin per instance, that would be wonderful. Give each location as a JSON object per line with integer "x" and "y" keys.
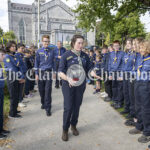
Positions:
{"x": 1, "y": 32}
{"x": 148, "y": 36}
{"x": 9, "y": 35}
{"x": 129, "y": 26}
{"x": 91, "y": 10}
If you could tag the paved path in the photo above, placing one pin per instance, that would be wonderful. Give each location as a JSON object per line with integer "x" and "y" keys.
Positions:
{"x": 101, "y": 127}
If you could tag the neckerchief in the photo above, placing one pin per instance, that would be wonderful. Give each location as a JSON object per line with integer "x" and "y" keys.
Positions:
{"x": 78, "y": 53}
{"x": 141, "y": 65}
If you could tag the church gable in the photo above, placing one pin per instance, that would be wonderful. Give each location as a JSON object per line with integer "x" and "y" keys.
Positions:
{"x": 59, "y": 13}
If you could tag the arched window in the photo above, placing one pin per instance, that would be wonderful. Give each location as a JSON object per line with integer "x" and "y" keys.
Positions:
{"x": 22, "y": 31}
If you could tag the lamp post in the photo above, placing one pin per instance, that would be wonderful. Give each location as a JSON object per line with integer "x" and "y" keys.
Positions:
{"x": 60, "y": 27}
{"x": 38, "y": 23}
{"x": 102, "y": 38}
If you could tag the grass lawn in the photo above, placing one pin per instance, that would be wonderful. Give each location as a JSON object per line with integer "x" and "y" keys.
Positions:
{"x": 6, "y": 103}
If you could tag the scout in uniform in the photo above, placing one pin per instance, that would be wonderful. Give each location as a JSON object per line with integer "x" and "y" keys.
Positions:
{"x": 44, "y": 64}
{"x": 97, "y": 67}
{"x": 20, "y": 55}
{"x": 142, "y": 94}
{"x": 14, "y": 77}
{"x": 128, "y": 62}
{"x": 73, "y": 95}
{"x": 107, "y": 82}
{"x": 59, "y": 51}
{"x": 115, "y": 67}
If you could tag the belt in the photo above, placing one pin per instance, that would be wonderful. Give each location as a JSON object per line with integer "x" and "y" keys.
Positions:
{"x": 47, "y": 70}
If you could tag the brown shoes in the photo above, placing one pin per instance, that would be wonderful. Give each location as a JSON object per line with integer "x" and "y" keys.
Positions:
{"x": 65, "y": 135}
{"x": 74, "y": 130}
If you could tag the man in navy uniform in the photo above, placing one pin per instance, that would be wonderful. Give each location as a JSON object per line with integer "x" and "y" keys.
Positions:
{"x": 44, "y": 63}
{"x": 19, "y": 54}
{"x": 15, "y": 76}
{"x": 115, "y": 68}
{"x": 59, "y": 51}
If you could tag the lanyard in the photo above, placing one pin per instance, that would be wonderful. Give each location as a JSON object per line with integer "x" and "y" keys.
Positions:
{"x": 46, "y": 54}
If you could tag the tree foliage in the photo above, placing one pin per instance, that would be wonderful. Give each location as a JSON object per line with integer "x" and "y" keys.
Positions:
{"x": 9, "y": 35}
{"x": 6, "y": 36}
{"x": 129, "y": 26}
{"x": 1, "y": 32}
{"x": 91, "y": 10}
{"x": 148, "y": 36}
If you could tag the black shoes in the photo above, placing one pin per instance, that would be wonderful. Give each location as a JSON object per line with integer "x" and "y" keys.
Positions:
{"x": 18, "y": 112}
{"x": 48, "y": 113}
{"x": 5, "y": 132}
{"x": 2, "y": 136}
{"x": 42, "y": 107}
{"x": 130, "y": 122}
{"x": 65, "y": 135}
{"x": 57, "y": 86}
{"x": 15, "y": 116}
{"x": 118, "y": 106}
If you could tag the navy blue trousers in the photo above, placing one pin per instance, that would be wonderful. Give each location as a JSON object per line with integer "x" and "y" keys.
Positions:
{"x": 27, "y": 86}
{"x": 132, "y": 98}
{"x": 108, "y": 88}
{"x": 21, "y": 91}
{"x": 142, "y": 106}
{"x": 1, "y": 108}
{"x": 126, "y": 83}
{"x": 72, "y": 101}
{"x": 45, "y": 90}
{"x": 117, "y": 90}
{"x": 13, "y": 87}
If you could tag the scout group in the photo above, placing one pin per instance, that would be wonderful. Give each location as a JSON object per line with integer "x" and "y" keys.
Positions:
{"x": 125, "y": 73}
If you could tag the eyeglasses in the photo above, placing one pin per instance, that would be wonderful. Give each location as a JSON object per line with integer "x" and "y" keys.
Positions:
{"x": 46, "y": 41}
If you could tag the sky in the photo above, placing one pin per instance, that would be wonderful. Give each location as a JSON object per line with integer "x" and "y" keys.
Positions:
{"x": 71, "y": 3}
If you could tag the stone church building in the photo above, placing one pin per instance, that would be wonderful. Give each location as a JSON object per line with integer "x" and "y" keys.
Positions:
{"x": 56, "y": 20}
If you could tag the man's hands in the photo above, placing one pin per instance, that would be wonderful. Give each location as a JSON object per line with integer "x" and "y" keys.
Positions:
{"x": 71, "y": 82}
{"x": 36, "y": 77}
{"x": 22, "y": 81}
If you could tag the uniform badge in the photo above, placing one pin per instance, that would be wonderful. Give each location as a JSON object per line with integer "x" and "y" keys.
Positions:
{"x": 41, "y": 53}
{"x": 8, "y": 60}
{"x": 126, "y": 60}
{"x": 68, "y": 58}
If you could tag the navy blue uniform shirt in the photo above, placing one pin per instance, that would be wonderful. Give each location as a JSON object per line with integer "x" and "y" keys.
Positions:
{"x": 129, "y": 61}
{"x": 115, "y": 61}
{"x": 143, "y": 69}
{"x": 69, "y": 58}
{"x": 59, "y": 52}
{"x": 98, "y": 67}
{"x": 21, "y": 56}
{"x": 12, "y": 63}
{"x": 2, "y": 82}
{"x": 44, "y": 60}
